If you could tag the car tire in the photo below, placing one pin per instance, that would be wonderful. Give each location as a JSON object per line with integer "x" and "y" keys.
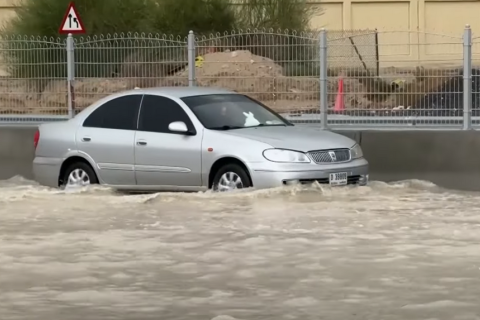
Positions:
{"x": 80, "y": 169}
{"x": 234, "y": 173}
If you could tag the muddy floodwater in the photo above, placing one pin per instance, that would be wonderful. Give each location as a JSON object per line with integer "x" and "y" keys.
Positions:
{"x": 407, "y": 250}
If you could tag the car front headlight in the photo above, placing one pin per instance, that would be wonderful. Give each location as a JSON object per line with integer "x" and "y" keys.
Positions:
{"x": 281, "y": 155}
{"x": 356, "y": 152}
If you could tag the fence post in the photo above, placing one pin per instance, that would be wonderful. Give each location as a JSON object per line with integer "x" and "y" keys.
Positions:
{"x": 323, "y": 80}
{"x": 70, "y": 74}
{"x": 191, "y": 59}
{"x": 467, "y": 78}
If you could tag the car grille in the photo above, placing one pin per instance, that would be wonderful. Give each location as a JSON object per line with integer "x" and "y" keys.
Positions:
{"x": 330, "y": 156}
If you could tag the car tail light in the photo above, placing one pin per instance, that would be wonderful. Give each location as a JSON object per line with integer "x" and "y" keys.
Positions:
{"x": 36, "y": 139}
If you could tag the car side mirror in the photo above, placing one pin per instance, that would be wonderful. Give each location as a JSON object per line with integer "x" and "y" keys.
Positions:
{"x": 178, "y": 126}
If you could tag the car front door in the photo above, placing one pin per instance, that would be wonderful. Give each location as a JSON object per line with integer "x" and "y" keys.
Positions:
{"x": 108, "y": 137}
{"x": 162, "y": 157}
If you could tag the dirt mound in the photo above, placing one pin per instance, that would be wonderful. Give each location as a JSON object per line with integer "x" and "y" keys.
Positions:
{"x": 260, "y": 78}
{"x": 144, "y": 68}
{"x": 22, "y": 97}
{"x": 394, "y": 89}
{"x": 86, "y": 91}
{"x": 243, "y": 72}
{"x": 449, "y": 99}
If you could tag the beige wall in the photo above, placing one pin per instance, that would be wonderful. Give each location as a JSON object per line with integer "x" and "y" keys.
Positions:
{"x": 6, "y": 10}
{"x": 410, "y": 31}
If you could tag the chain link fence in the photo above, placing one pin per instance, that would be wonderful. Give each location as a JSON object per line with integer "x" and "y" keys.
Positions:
{"x": 335, "y": 79}
{"x": 30, "y": 67}
{"x": 424, "y": 94}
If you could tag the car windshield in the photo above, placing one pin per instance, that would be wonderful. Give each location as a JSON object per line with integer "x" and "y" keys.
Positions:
{"x": 232, "y": 111}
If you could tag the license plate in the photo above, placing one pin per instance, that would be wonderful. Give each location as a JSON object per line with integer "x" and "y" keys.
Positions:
{"x": 338, "y": 179}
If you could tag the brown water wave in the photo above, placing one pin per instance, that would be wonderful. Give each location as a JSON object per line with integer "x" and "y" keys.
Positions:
{"x": 404, "y": 250}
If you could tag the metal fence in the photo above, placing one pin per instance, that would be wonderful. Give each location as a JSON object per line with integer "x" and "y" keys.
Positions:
{"x": 359, "y": 79}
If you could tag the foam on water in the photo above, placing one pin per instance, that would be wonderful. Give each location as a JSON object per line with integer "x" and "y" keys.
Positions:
{"x": 18, "y": 188}
{"x": 404, "y": 250}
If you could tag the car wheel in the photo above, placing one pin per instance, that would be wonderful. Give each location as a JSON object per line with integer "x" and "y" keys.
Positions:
{"x": 79, "y": 174}
{"x": 231, "y": 177}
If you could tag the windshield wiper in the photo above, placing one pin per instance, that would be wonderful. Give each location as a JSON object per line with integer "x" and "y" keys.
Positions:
{"x": 269, "y": 125}
{"x": 246, "y": 127}
{"x": 226, "y": 128}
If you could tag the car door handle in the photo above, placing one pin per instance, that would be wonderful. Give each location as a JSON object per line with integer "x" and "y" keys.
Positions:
{"x": 86, "y": 139}
{"x": 142, "y": 143}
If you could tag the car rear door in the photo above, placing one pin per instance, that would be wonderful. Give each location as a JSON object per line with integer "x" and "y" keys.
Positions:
{"x": 165, "y": 158}
{"x": 108, "y": 137}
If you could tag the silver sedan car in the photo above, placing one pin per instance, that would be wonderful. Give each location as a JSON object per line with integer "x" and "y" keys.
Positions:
{"x": 190, "y": 139}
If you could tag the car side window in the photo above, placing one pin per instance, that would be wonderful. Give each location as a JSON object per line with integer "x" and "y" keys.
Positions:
{"x": 158, "y": 112}
{"x": 120, "y": 113}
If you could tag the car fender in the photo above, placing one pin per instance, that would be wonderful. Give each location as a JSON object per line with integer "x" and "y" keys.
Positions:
{"x": 223, "y": 156}
{"x": 85, "y": 156}
{"x": 206, "y": 174}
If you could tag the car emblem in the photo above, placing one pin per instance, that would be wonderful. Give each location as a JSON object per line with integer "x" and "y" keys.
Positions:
{"x": 333, "y": 155}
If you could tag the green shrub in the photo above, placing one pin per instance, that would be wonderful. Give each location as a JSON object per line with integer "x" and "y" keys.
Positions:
{"x": 116, "y": 29}
{"x": 278, "y": 29}
{"x": 301, "y": 69}
{"x": 178, "y": 17}
{"x": 32, "y": 47}
{"x": 43, "y": 17}
{"x": 275, "y": 14}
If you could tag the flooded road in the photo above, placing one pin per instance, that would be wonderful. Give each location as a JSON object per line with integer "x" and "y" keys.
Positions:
{"x": 406, "y": 250}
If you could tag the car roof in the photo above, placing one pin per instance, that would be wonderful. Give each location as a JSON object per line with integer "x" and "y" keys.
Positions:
{"x": 181, "y": 92}
{"x": 172, "y": 92}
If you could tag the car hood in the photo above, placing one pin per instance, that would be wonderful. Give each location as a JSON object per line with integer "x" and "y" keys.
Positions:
{"x": 295, "y": 138}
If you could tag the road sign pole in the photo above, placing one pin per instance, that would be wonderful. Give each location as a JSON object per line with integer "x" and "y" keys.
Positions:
{"x": 70, "y": 75}
{"x": 191, "y": 59}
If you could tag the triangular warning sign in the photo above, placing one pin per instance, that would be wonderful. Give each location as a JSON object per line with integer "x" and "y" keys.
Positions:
{"x": 71, "y": 22}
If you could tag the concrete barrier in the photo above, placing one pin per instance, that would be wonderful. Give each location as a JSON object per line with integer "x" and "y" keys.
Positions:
{"x": 450, "y": 159}
{"x": 16, "y": 152}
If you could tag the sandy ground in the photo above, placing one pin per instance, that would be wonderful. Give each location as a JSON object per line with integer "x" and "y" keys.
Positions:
{"x": 405, "y": 250}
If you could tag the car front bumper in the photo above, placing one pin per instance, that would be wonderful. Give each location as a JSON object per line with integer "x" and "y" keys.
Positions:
{"x": 280, "y": 175}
